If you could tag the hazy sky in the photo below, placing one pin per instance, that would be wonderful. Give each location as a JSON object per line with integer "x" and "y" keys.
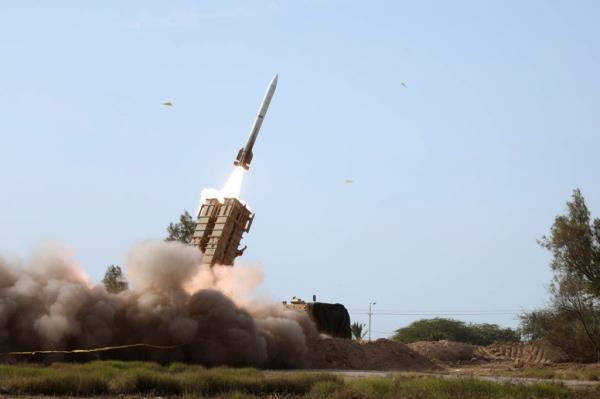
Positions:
{"x": 455, "y": 175}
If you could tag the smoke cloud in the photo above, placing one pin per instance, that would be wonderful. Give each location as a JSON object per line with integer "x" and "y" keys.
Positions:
{"x": 47, "y": 303}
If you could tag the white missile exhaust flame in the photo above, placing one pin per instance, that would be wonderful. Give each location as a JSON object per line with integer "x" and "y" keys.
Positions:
{"x": 231, "y": 189}
{"x": 233, "y": 186}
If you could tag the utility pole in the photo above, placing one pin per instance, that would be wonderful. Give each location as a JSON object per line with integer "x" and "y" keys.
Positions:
{"x": 370, "y": 314}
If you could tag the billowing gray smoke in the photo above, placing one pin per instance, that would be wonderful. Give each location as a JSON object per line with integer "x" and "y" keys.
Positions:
{"x": 48, "y": 303}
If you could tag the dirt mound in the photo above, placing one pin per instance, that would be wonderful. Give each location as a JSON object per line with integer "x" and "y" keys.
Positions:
{"x": 524, "y": 353}
{"x": 458, "y": 352}
{"x": 448, "y": 351}
{"x": 383, "y": 354}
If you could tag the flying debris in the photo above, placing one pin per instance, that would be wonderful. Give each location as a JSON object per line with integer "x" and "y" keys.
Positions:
{"x": 244, "y": 156}
{"x": 168, "y": 104}
{"x": 403, "y": 84}
{"x": 348, "y": 181}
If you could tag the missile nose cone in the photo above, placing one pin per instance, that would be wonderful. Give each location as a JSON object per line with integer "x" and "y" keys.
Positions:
{"x": 274, "y": 81}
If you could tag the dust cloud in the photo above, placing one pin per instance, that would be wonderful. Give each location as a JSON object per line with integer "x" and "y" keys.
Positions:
{"x": 47, "y": 303}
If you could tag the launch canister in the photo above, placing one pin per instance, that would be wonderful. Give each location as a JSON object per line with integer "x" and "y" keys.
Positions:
{"x": 244, "y": 156}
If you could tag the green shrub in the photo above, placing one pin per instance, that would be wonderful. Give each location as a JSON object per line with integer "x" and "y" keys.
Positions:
{"x": 324, "y": 389}
{"x": 454, "y": 330}
{"x": 375, "y": 387}
{"x": 177, "y": 367}
{"x": 58, "y": 384}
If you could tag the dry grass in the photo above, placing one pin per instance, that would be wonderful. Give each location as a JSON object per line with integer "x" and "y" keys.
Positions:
{"x": 138, "y": 378}
{"x": 582, "y": 374}
{"x": 579, "y": 372}
{"x": 133, "y": 378}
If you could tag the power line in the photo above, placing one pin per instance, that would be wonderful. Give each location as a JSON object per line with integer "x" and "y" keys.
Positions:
{"x": 437, "y": 313}
{"x": 384, "y": 332}
{"x": 442, "y": 311}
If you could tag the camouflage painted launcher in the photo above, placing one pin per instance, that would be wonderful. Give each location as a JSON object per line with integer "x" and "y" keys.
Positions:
{"x": 219, "y": 230}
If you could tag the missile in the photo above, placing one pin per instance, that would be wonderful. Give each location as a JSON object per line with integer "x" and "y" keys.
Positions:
{"x": 244, "y": 156}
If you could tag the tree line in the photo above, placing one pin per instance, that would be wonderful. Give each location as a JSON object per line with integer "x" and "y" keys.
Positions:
{"x": 571, "y": 320}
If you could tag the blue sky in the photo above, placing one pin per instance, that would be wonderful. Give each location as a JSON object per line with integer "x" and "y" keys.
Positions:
{"x": 455, "y": 175}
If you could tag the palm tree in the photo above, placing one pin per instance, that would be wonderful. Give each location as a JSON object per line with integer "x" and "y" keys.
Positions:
{"x": 357, "y": 331}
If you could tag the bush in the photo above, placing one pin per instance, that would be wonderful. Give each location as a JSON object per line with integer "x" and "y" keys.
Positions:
{"x": 560, "y": 329}
{"x": 325, "y": 389}
{"x": 454, "y": 330}
{"x": 572, "y": 321}
{"x": 373, "y": 387}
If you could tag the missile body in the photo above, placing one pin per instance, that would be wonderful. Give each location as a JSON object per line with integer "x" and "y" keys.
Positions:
{"x": 244, "y": 156}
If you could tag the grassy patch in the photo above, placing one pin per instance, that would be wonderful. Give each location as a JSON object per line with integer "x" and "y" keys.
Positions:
{"x": 133, "y": 378}
{"x": 437, "y": 388}
{"x": 573, "y": 374}
{"x": 139, "y": 378}
{"x": 581, "y": 374}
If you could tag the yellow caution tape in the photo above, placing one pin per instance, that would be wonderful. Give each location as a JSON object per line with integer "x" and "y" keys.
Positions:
{"x": 106, "y": 348}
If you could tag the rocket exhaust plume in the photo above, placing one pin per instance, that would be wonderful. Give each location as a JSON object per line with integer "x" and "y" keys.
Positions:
{"x": 231, "y": 189}
{"x": 233, "y": 186}
{"x": 46, "y": 303}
